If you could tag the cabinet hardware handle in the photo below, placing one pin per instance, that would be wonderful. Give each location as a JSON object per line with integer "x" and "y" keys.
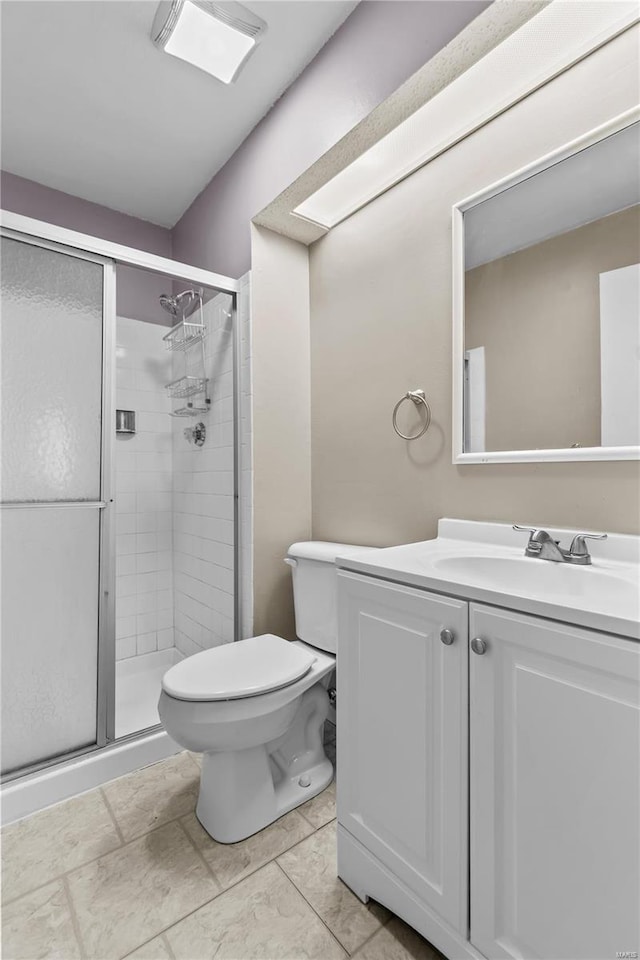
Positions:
{"x": 447, "y": 637}
{"x": 479, "y": 646}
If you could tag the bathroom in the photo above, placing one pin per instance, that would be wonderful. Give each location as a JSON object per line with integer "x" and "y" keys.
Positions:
{"x": 314, "y": 254}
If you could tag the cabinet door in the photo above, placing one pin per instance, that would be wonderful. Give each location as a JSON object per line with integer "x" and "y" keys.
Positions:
{"x": 402, "y": 739}
{"x": 555, "y": 770}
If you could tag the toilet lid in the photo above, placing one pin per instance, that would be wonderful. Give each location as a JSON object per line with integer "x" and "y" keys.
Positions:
{"x": 234, "y": 670}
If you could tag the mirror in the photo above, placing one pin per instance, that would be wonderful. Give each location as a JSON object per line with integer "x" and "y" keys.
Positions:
{"x": 547, "y": 307}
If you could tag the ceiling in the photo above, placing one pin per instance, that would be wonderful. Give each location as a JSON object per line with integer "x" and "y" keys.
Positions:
{"x": 91, "y": 107}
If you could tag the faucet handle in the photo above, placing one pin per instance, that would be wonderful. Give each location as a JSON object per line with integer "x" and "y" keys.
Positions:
{"x": 578, "y": 546}
{"x": 533, "y": 544}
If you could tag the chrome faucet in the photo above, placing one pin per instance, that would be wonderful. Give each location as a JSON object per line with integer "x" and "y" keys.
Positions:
{"x": 542, "y": 545}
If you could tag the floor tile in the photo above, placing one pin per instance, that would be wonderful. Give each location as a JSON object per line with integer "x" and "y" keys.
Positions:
{"x": 322, "y": 808}
{"x": 397, "y": 941}
{"x": 131, "y": 895}
{"x": 231, "y": 862}
{"x": 262, "y": 918}
{"x": 42, "y": 847}
{"x": 39, "y": 925}
{"x": 312, "y": 867}
{"x": 156, "y": 949}
{"x": 153, "y": 796}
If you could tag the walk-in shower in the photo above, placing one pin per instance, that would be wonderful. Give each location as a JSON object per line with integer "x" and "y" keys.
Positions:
{"x": 118, "y": 548}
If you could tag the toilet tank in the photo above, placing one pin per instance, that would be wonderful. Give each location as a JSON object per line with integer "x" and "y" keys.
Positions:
{"x": 315, "y": 590}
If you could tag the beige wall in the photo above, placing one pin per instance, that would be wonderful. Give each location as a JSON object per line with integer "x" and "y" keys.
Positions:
{"x": 281, "y": 421}
{"x": 381, "y": 324}
{"x": 537, "y": 314}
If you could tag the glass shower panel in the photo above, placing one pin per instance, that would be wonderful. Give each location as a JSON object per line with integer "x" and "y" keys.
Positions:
{"x": 51, "y": 333}
{"x": 49, "y": 628}
{"x": 51, "y": 374}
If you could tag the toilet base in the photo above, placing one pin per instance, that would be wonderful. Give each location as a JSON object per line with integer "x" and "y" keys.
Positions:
{"x": 243, "y": 791}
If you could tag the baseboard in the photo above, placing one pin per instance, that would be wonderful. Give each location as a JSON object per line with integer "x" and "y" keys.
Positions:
{"x": 26, "y": 795}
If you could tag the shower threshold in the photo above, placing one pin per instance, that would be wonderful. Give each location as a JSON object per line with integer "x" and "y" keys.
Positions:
{"x": 138, "y": 684}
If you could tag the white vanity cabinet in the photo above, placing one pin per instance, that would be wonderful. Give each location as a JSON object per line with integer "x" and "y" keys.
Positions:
{"x": 554, "y": 789}
{"x": 514, "y": 762}
{"x": 402, "y": 696}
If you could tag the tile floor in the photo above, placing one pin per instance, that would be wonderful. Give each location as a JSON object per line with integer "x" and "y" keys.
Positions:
{"x": 127, "y": 871}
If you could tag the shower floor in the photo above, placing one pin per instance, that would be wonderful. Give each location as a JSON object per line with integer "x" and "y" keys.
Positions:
{"x": 138, "y": 681}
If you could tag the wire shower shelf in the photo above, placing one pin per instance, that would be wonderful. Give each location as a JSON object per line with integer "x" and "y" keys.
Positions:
{"x": 190, "y": 410}
{"x": 186, "y": 387}
{"x": 184, "y": 335}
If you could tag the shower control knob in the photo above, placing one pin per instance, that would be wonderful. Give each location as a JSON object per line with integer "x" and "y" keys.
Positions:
{"x": 447, "y": 637}
{"x": 479, "y": 646}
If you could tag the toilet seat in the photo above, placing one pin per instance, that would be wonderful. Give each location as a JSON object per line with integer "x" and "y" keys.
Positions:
{"x": 236, "y": 670}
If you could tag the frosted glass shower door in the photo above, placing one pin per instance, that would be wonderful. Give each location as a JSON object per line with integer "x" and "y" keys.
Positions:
{"x": 52, "y": 499}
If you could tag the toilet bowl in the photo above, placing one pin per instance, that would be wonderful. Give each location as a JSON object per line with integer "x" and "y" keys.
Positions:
{"x": 256, "y": 708}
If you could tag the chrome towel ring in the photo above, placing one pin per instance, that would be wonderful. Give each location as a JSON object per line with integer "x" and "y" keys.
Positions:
{"x": 418, "y": 397}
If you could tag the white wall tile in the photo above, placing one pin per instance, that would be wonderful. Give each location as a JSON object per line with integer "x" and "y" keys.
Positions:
{"x": 203, "y": 496}
{"x": 143, "y": 488}
{"x": 175, "y": 502}
{"x": 125, "y": 648}
{"x": 146, "y": 643}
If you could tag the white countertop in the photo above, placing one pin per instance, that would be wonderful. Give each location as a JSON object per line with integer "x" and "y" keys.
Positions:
{"x": 486, "y": 562}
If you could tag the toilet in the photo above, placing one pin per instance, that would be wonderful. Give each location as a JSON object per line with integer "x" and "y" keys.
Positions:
{"x": 255, "y": 709}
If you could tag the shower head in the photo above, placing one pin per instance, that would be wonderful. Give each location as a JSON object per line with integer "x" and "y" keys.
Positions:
{"x": 169, "y": 304}
{"x": 177, "y": 306}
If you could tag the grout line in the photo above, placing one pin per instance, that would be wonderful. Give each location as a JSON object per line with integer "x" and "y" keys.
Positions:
{"x": 311, "y": 907}
{"x": 201, "y": 856}
{"x": 154, "y": 829}
{"x": 165, "y": 940}
{"x": 65, "y": 875}
{"x": 107, "y": 804}
{"x": 74, "y": 919}
{"x": 258, "y": 866}
{"x": 315, "y": 828}
{"x": 195, "y": 762}
{"x": 81, "y": 866}
{"x": 372, "y": 935}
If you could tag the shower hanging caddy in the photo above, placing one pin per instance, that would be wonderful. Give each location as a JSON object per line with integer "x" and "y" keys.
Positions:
{"x": 184, "y": 335}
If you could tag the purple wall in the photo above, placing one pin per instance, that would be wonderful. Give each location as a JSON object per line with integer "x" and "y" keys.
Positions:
{"x": 377, "y": 48}
{"x": 138, "y": 291}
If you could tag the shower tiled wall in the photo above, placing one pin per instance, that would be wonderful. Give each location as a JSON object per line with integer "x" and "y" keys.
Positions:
{"x": 203, "y": 496}
{"x": 143, "y": 467}
{"x": 175, "y": 553}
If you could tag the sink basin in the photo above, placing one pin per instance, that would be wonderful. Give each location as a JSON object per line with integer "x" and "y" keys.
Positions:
{"x": 485, "y": 562}
{"x": 532, "y": 576}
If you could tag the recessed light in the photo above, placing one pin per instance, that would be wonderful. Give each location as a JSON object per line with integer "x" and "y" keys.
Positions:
{"x": 214, "y": 37}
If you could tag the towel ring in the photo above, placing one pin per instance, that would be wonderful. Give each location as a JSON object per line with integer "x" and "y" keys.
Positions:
{"x": 418, "y": 397}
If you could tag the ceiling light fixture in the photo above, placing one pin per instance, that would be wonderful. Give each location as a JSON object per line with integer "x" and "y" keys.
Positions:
{"x": 215, "y": 37}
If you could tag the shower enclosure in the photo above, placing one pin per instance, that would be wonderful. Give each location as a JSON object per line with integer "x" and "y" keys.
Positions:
{"x": 95, "y": 533}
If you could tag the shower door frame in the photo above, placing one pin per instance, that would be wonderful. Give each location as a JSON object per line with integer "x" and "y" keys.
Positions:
{"x": 106, "y": 528}
{"x": 40, "y": 233}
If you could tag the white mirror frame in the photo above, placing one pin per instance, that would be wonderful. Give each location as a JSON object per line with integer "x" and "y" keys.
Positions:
{"x": 517, "y": 456}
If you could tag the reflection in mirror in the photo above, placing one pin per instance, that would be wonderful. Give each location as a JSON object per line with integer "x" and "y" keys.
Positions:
{"x": 552, "y": 306}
